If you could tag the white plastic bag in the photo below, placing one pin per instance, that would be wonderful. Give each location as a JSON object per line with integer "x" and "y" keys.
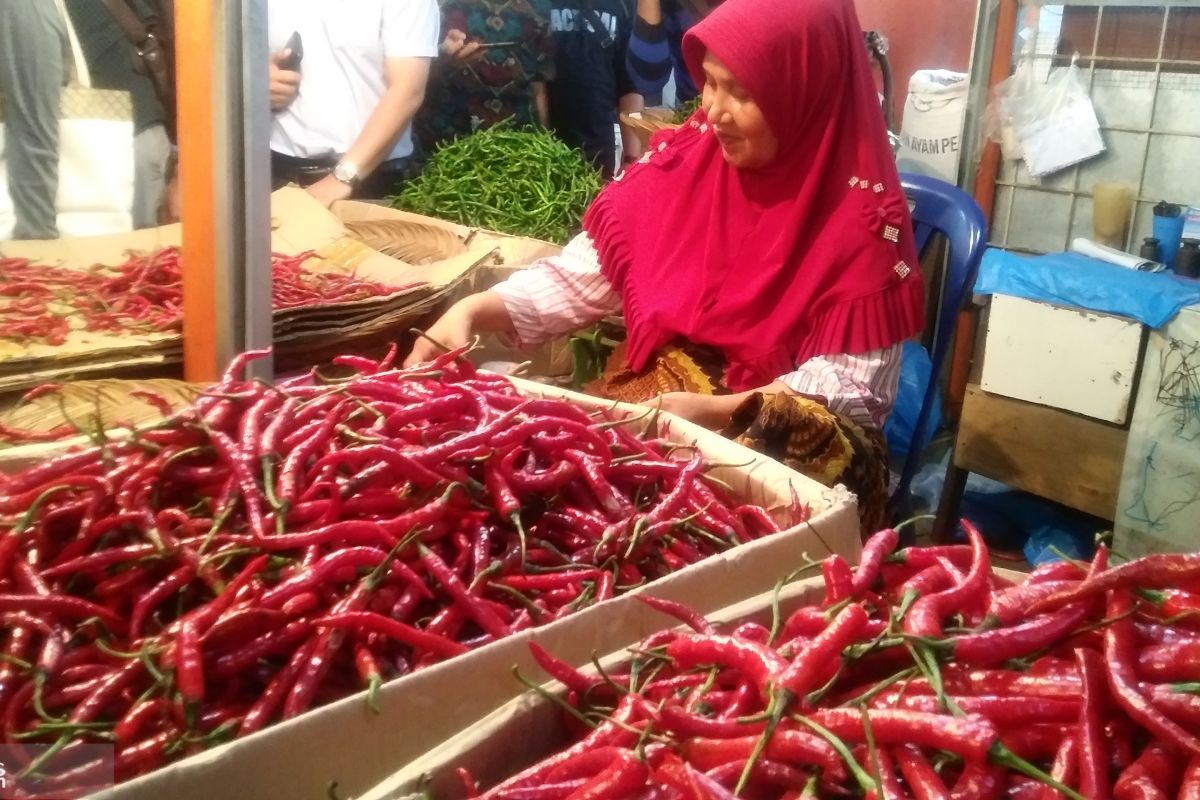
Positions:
{"x": 1050, "y": 125}
{"x": 1009, "y": 97}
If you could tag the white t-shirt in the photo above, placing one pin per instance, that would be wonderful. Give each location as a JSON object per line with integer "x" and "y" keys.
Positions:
{"x": 345, "y": 44}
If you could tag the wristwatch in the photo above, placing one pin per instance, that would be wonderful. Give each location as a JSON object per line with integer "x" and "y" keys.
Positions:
{"x": 347, "y": 173}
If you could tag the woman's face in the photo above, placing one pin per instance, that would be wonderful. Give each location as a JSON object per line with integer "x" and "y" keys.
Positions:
{"x": 747, "y": 142}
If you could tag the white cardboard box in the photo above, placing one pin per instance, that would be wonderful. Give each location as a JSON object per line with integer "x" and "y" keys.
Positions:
{"x": 1067, "y": 358}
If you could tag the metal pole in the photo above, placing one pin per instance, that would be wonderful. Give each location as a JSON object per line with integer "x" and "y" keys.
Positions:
{"x": 224, "y": 124}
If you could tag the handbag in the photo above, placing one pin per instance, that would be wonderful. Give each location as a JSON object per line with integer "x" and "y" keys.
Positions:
{"x": 95, "y": 156}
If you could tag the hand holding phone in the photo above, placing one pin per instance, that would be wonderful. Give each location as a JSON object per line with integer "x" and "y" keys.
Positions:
{"x": 284, "y": 73}
{"x": 295, "y": 53}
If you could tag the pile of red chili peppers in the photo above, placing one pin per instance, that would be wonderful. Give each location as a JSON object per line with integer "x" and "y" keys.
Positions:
{"x": 921, "y": 675}
{"x": 44, "y": 303}
{"x": 272, "y": 548}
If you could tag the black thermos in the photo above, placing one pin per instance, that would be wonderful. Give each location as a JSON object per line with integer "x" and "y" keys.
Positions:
{"x": 1187, "y": 263}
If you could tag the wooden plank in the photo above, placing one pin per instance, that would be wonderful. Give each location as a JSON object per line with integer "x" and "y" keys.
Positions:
{"x": 1052, "y": 453}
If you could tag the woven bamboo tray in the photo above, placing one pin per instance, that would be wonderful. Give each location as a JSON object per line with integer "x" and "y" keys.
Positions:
{"x": 646, "y": 123}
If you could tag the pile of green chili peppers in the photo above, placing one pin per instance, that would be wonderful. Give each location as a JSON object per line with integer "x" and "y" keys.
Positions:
{"x": 523, "y": 182}
{"x": 686, "y": 110}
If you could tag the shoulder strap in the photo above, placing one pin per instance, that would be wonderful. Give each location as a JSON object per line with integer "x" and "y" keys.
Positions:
{"x": 598, "y": 27}
{"x": 135, "y": 30}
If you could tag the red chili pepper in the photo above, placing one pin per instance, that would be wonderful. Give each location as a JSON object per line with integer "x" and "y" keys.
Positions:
{"x": 1169, "y": 663}
{"x": 1155, "y": 774}
{"x": 838, "y": 580}
{"x": 63, "y": 606}
{"x": 787, "y": 745}
{"x": 923, "y": 557}
{"x": 369, "y": 622}
{"x": 876, "y": 549}
{"x": 925, "y": 616}
{"x": 922, "y": 779}
{"x": 764, "y": 772}
{"x": 979, "y": 781}
{"x": 817, "y": 663}
{"x": 621, "y": 779}
{"x": 1093, "y": 758}
{"x": 961, "y": 680}
{"x": 1003, "y": 711}
{"x": 970, "y": 738}
{"x": 189, "y": 663}
{"x": 277, "y": 691}
{"x": 1012, "y": 605}
{"x": 1152, "y": 571}
{"x": 469, "y": 603}
{"x": 761, "y": 664}
{"x": 1063, "y": 769}
{"x": 887, "y": 782}
{"x": 1119, "y": 643}
{"x": 996, "y": 646}
{"x": 165, "y": 588}
{"x": 679, "y": 611}
{"x": 1190, "y": 787}
{"x": 144, "y": 756}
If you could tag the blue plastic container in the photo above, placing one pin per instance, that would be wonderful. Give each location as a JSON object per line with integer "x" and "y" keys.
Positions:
{"x": 1168, "y": 230}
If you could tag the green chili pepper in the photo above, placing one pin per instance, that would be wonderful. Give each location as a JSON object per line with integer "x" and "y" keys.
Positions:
{"x": 523, "y": 182}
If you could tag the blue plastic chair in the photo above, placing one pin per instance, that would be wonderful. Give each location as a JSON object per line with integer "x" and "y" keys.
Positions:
{"x": 940, "y": 208}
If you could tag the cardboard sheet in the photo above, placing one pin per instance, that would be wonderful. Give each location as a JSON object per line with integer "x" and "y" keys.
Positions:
{"x": 299, "y": 224}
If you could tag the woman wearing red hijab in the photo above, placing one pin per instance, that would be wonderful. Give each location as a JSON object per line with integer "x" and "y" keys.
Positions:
{"x": 762, "y": 254}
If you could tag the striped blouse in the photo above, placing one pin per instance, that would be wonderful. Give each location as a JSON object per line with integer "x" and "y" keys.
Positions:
{"x": 564, "y": 293}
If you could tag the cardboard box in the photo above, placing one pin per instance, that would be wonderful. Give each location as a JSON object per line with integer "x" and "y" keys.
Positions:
{"x": 529, "y": 727}
{"x": 1067, "y": 358}
{"x": 346, "y": 743}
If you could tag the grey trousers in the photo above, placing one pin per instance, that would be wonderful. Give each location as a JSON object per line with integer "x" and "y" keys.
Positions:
{"x": 151, "y": 156}
{"x": 32, "y": 71}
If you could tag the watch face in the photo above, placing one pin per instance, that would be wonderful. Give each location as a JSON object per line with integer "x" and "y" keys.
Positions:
{"x": 346, "y": 173}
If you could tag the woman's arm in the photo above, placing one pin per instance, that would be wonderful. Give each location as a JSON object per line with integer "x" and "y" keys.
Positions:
{"x": 553, "y": 297}
{"x": 861, "y": 387}
{"x": 648, "y": 56}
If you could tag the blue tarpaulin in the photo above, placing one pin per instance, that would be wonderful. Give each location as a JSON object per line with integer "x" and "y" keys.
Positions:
{"x": 1072, "y": 279}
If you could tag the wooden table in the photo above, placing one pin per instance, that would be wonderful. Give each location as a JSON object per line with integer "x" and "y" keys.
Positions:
{"x": 1055, "y": 454}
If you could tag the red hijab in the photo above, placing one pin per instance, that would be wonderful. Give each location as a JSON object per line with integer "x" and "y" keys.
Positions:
{"x": 812, "y": 254}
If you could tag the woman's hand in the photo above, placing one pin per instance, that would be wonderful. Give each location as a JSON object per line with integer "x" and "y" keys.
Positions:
{"x": 284, "y": 83}
{"x": 456, "y": 48}
{"x": 709, "y": 411}
{"x": 453, "y": 329}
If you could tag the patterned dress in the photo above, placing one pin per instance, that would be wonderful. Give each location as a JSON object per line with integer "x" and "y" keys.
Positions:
{"x": 461, "y": 100}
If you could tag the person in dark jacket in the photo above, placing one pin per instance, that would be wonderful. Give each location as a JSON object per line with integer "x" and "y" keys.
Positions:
{"x": 591, "y": 81}
{"x": 655, "y": 48}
